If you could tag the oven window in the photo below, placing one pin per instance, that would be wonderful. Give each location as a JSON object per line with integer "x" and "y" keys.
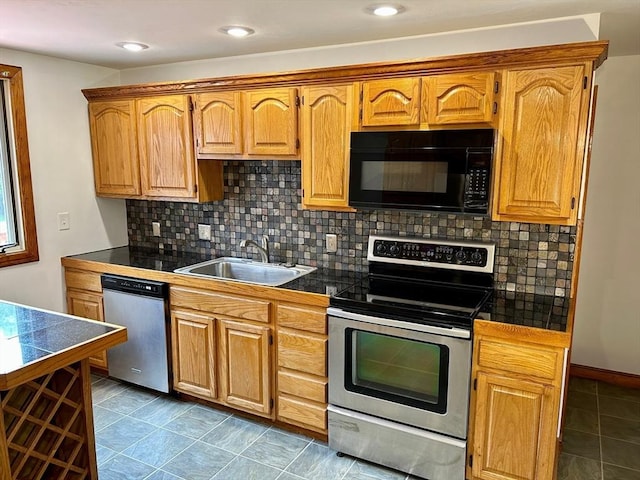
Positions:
{"x": 397, "y": 369}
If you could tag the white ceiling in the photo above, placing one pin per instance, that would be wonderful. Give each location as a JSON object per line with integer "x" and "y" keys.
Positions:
{"x": 181, "y": 30}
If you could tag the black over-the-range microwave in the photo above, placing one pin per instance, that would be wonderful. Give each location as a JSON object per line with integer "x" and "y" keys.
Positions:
{"x": 438, "y": 170}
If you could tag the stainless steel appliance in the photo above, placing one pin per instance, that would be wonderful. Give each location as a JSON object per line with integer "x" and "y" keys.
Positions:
{"x": 141, "y": 306}
{"x": 439, "y": 170}
{"x": 400, "y": 354}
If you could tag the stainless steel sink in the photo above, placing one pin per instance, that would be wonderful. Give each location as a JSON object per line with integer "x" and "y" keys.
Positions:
{"x": 247, "y": 271}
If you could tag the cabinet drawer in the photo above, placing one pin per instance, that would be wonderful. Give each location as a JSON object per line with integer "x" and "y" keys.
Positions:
{"x": 305, "y": 353}
{"x": 302, "y": 318}
{"x": 217, "y": 303}
{"x": 82, "y": 280}
{"x": 302, "y": 386}
{"x": 299, "y": 412}
{"x": 521, "y": 359}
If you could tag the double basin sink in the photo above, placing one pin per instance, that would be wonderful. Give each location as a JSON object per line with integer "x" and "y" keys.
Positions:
{"x": 246, "y": 271}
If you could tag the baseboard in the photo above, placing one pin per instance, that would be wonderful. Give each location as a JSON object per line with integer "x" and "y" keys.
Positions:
{"x": 621, "y": 379}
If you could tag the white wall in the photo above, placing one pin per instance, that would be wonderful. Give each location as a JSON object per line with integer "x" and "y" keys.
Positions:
{"x": 62, "y": 176}
{"x": 607, "y": 325}
{"x": 565, "y": 30}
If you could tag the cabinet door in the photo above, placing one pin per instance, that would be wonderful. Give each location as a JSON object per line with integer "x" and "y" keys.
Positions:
{"x": 165, "y": 140}
{"x": 88, "y": 305}
{"x": 245, "y": 366}
{"x": 218, "y": 123}
{"x": 459, "y": 98}
{"x": 116, "y": 169}
{"x": 514, "y": 435}
{"x": 543, "y": 128}
{"x": 326, "y": 120}
{"x": 193, "y": 351}
{"x": 271, "y": 122}
{"x": 391, "y": 102}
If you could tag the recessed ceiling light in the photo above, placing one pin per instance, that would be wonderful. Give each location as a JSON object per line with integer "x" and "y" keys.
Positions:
{"x": 386, "y": 10}
{"x": 237, "y": 31}
{"x": 132, "y": 46}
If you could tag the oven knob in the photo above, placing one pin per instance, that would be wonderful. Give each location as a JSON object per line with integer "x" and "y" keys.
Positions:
{"x": 381, "y": 248}
{"x": 476, "y": 257}
{"x": 461, "y": 255}
{"x": 393, "y": 249}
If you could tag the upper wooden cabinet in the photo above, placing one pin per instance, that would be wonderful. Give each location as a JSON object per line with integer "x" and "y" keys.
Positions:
{"x": 271, "y": 121}
{"x": 246, "y": 125}
{"x": 217, "y": 119}
{"x": 390, "y": 102}
{"x": 167, "y": 164}
{"x": 144, "y": 149}
{"x": 540, "y": 156}
{"x": 459, "y": 98}
{"x": 327, "y": 112}
{"x": 114, "y": 146}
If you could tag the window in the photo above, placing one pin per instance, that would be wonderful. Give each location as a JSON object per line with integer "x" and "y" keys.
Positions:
{"x": 18, "y": 242}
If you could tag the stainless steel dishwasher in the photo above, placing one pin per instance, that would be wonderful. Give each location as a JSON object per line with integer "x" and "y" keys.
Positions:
{"x": 141, "y": 306}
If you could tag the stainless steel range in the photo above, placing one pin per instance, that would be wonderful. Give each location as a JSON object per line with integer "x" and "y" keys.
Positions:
{"x": 400, "y": 354}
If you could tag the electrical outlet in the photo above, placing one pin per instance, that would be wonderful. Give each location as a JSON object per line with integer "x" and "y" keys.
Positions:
{"x": 204, "y": 232}
{"x": 155, "y": 228}
{"x": 331, "y": 243}
{"x": 64, "y": 222}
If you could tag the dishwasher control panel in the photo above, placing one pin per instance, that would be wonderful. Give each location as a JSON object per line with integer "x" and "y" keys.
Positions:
{"x": 136, "y": 286}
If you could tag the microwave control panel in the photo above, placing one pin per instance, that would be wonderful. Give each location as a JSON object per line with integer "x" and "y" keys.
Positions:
{"x": 476, "y": 192}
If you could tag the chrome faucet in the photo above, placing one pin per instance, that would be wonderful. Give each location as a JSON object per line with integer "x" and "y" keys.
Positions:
{"x": 264, "y": 249}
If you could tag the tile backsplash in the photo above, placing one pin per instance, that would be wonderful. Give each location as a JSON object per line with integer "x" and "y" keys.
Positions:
{"x": 264, "y": 198}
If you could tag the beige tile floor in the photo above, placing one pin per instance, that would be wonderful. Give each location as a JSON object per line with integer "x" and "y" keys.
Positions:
{"x": 602, "y": 432}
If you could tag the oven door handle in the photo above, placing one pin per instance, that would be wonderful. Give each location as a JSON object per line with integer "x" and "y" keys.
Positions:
{"x": 389, "y": 322}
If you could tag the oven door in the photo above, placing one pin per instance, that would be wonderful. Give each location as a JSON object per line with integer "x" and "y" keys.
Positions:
{"x": 409, "y": 373}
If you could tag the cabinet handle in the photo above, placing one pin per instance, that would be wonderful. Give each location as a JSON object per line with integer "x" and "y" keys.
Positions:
{"x": 495, "y": 107}
{"x": 496, "y": 87}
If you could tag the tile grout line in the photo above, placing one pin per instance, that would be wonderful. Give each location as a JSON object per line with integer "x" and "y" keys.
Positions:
{"x": 599, "y": 431}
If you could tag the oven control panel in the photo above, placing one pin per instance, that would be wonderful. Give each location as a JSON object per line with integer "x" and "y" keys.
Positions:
{"x": 474, "y": 256}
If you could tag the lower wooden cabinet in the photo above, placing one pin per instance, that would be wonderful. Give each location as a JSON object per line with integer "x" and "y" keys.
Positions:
{"x": 244, "y": 363}
{"x": 88, "y": 305}
{"x": 193, "y": 344}
{"x": 515, "y": 410}
{"x": 302, "y": 366}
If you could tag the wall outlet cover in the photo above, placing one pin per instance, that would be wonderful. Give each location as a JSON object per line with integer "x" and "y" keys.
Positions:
{"x": 155, "y": 227}
{"x": 64, "y": 222}
{"x": 204, "y": 232}
{"x": 331, "y": 243}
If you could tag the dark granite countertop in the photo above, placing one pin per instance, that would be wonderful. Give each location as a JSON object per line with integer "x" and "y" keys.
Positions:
{"x": 523, "y": 309}
{"x": 531, "y": 310}
{"x": 321, "y": 281}
{"x": 31, "y": 335}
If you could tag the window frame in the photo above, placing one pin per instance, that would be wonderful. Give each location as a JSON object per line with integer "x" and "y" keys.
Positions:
{"x": 23, "y": 189}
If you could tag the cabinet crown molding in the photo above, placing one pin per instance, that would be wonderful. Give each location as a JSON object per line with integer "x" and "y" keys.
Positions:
{"x": 595, "y": 51}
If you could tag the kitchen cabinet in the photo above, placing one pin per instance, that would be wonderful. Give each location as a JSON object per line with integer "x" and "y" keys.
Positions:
{"x": 459, "y": 98}
{"x": 390, "y": 102}
{"x": 515, "y": 411}
{"x": 222, "y": 348}
{"x": 327, "y": 112}
{"x": 116, "y": 169}
{"x": 144, "y": 149}
{"x": 167, "y": 164}
{"x": 271, "y": 122}
{"x": 540, "y": 155}
{"x": 245, "y": 366}
{"x": 193, "y": 344}
{"x": 302, "y": 366}
{"x": 84, "y": 299}
{"x": 217, "y": 118}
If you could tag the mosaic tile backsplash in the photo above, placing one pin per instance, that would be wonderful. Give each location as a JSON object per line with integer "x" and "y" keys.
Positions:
{"x": 264, "y": 198}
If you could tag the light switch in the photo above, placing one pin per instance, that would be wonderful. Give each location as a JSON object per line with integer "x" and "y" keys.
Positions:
{"x": 331, "y": 241}
{"x": 155, "y": 228}
{"x": 204, "y": 232}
